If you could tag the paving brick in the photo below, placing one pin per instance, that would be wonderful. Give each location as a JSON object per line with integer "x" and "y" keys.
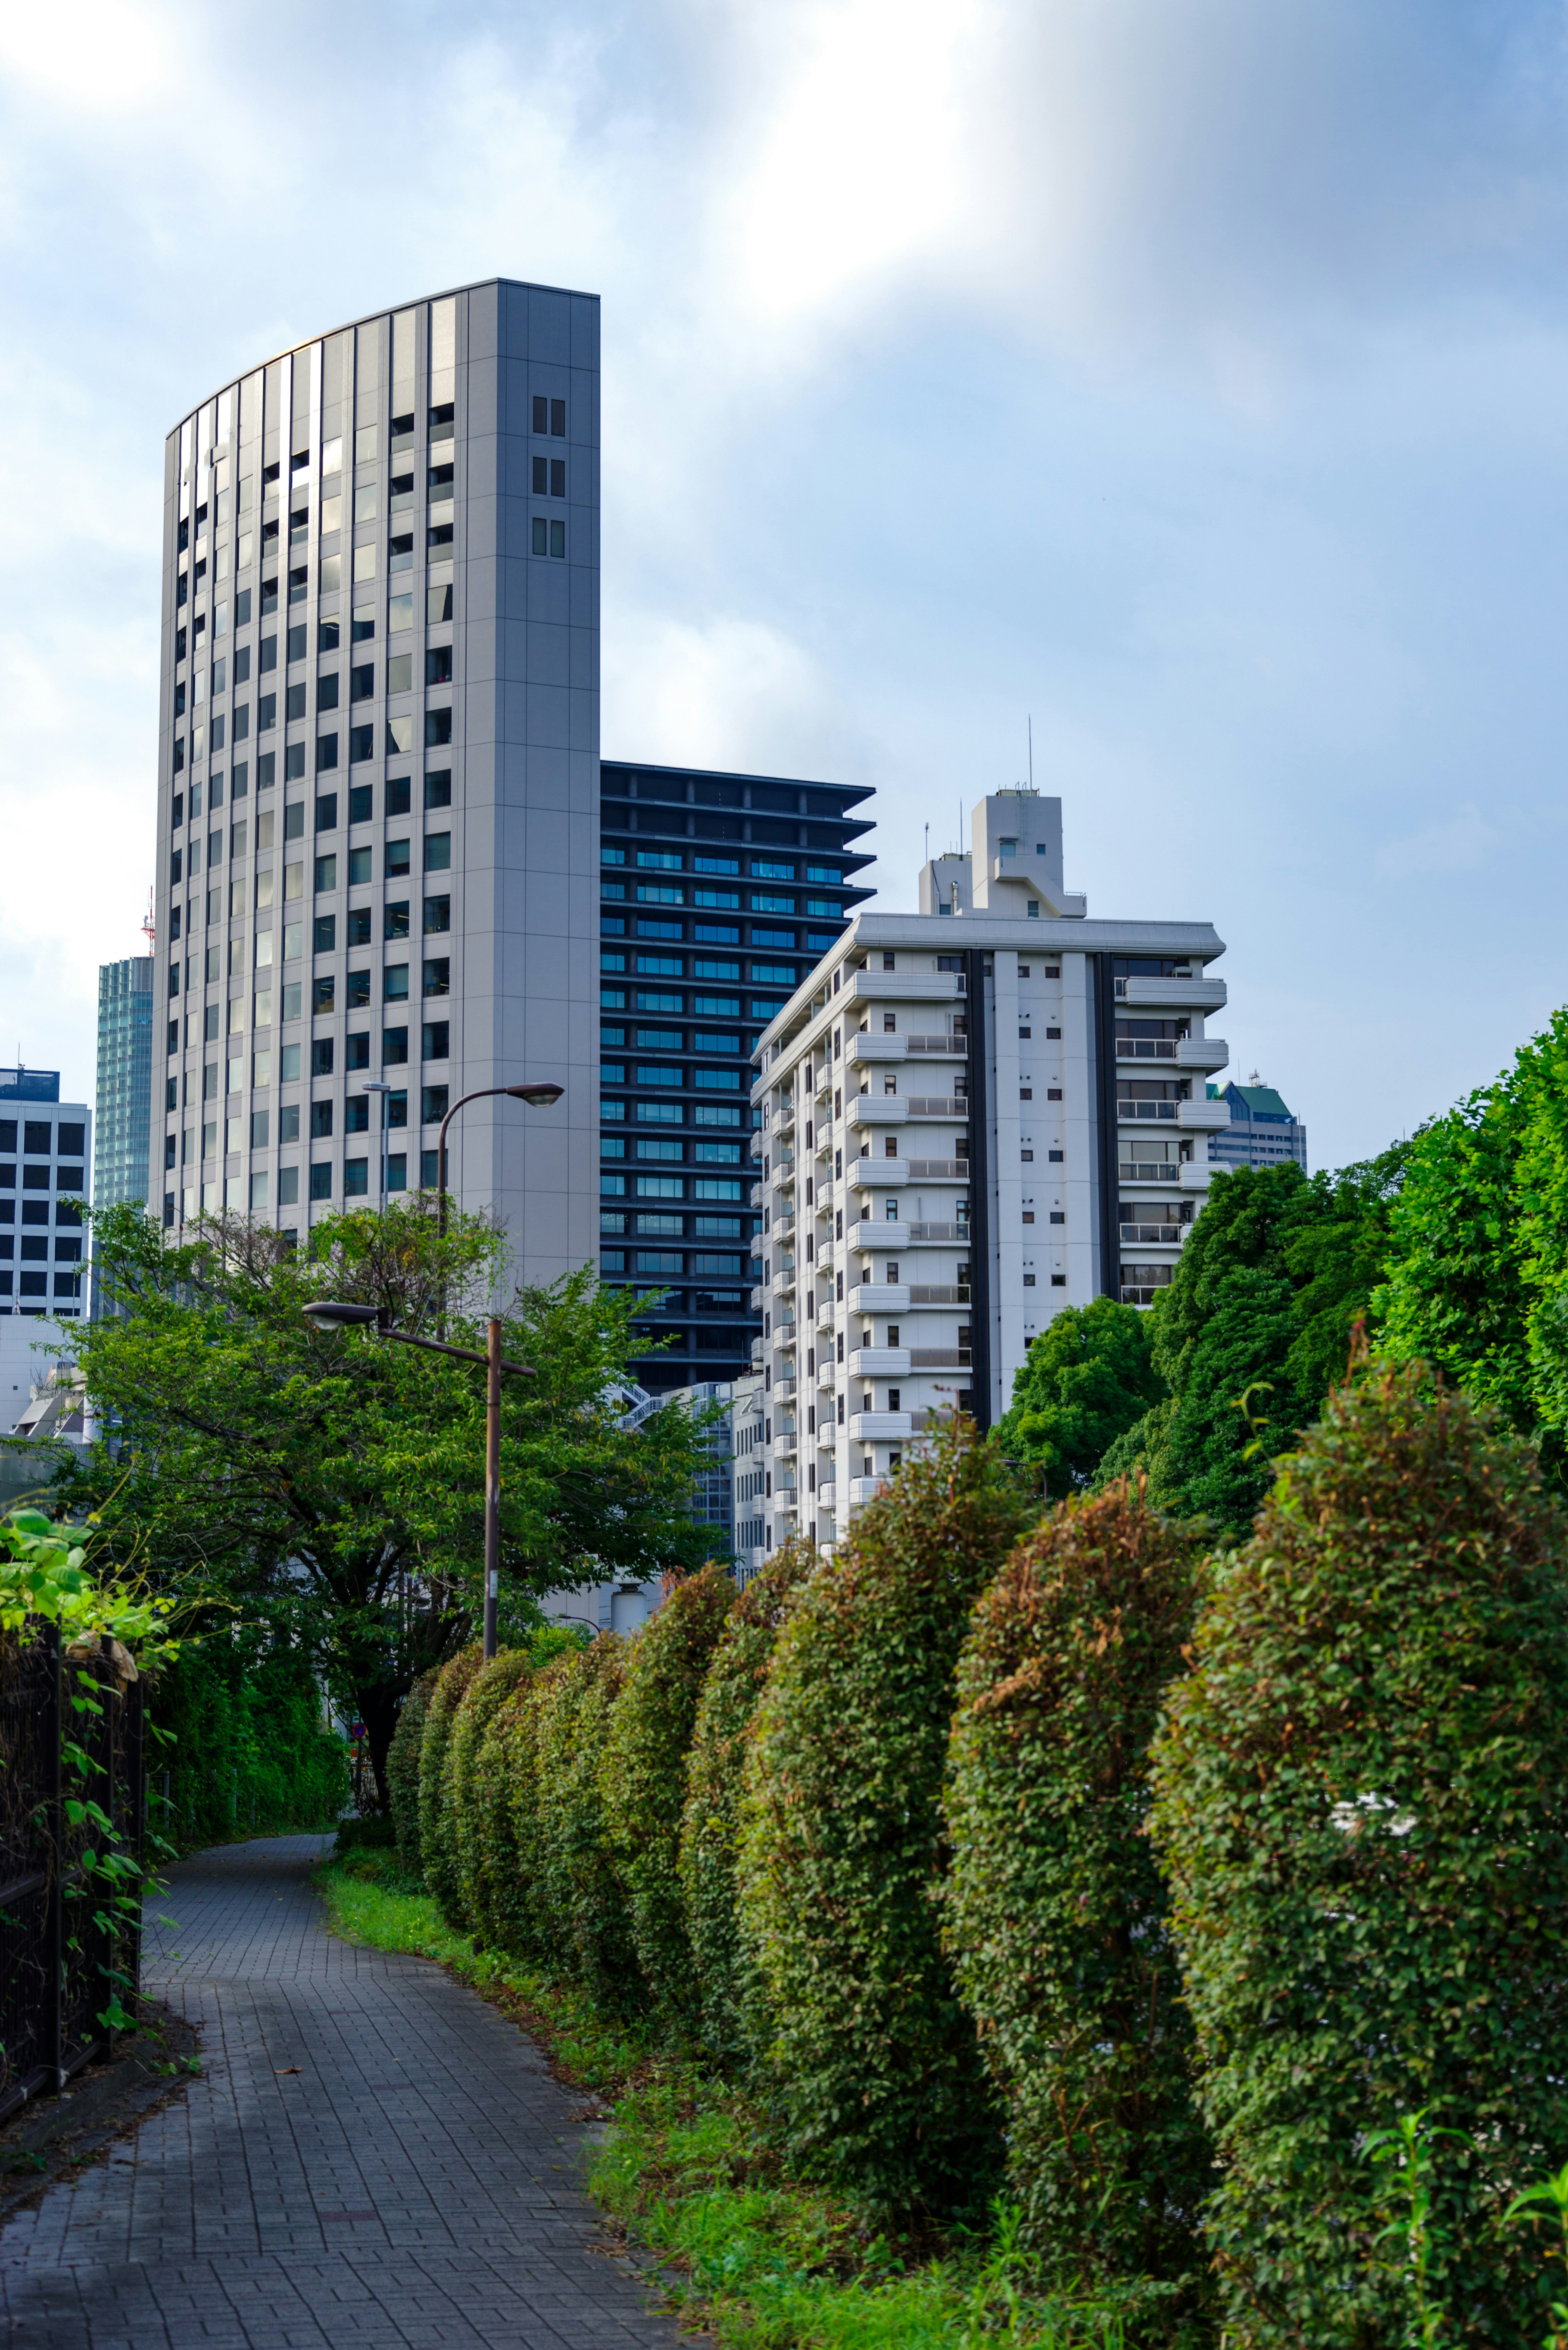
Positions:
{"x": 212, "y": 2228}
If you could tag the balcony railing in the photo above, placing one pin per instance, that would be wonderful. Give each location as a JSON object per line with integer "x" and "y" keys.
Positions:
{"x": 938, "y": 1293}
{"x": 1146, "y": 1048}
{"x": 938, "y": 1106}
{"x": 957, "y": 1233}
{"x": 957, "y": 1042}
{"x": 1150, "y": 1171}
{"x": 938, "y": 1171}
{"x": 1153, "y": 1232}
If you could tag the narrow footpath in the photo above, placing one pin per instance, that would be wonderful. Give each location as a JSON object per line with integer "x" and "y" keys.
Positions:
{"x": 372, "y": 2158}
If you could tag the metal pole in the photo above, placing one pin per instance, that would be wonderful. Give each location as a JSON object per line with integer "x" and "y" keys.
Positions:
{"x": 491, "y": 1484}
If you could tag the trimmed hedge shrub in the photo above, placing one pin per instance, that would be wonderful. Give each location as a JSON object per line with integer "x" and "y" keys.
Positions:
{"x": 438, "y": 1840}
{"x": 875, "y": 2062}
{"x": 1362, "y": 1805}
{"x": 732, "y": 2022}
{"x": 583, "y": 1904}
{"x": 1055, "y": 1912}
{"x": 642, "y": 1778}
{"x": 403, "y": 1770}
{"x": 488, "y": 1691}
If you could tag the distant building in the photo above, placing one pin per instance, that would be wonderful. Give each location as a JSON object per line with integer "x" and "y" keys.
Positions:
{"x": 45, "y": 1157}
{"x": 1263, "y": 1132}
{"x": 748, "y": 1440}
{"x": 120, "y": 1170}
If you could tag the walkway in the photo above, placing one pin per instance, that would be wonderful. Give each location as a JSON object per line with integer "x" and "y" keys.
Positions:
{"x": 411, "y": 2186}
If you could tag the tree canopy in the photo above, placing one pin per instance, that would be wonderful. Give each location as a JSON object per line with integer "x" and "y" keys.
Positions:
{"x": 1087, "y": 1378}
{"x": 333, "y": 1481}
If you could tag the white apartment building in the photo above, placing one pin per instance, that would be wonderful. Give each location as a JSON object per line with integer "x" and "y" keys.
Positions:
{"x": 972, "y": 1117}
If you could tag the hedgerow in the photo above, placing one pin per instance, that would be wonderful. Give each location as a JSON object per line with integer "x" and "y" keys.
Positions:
{"x": 1362, "y": 1806}
{"x": 1054, "y": 1911}
{"x": 438, "y": 1842}
{"x": 584, "y": 1906}
{"x": 727, "y": 1984}
{"x": 488, "y": 1691}
{"x": 642, "y": 1776}
{"x": 403, "y": 1771}
{"x": 875, "y": 2065}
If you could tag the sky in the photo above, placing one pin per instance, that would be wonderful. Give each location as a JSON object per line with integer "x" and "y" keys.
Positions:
{"x": 1187, "y": 380}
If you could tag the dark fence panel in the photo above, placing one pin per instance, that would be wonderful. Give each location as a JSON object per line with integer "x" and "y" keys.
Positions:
{"x": 65, "y": 1948}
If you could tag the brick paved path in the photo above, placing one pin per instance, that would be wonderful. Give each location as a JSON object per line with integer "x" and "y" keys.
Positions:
{"x": 413, "y": 2184}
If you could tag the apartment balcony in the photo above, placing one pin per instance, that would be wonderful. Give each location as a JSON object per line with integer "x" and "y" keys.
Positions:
{"x": 944, "y": 1045}
{"x": 900, "y": 987}
{"x": 938, "y": 1106}
{"x": 824, "y": 1314}
{"x": 866, "y": 1170}
{"x": 1203, "y": 1117}
{"x": 754, "y": 1196}
{"x": 785, "y": 1446}
{"x": 825, "y": 1372}
{"x": 879, "y": 1362}
{"x": 757, "y": 1296}
{"x": 826, "y": 1437}
{"x": 1147, "y": 1048}
{"x": 873, "y": 1232}
{"x": 875, "y": 1110}
{"x": 827, "y": 1495}
{"x": 879, "y": 1296}
{"x": 784, "y": 1282}
{"x": 1196, "y": 1174}
{"x": 1172, "y": 994}
{"x": 757, "y": 1344}
{"x": 1159, "y": 1235}
{"x": 1207, "y": 1053}
{"x": 865, "y": 1488}
{"x": 880, "y": 1426}
{"x": 755, "y": 1146}
{"x": 784, "y": 1386}
{"x": 858, "y": 1050}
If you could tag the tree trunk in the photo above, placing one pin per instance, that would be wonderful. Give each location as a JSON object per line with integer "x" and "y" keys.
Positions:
{"x": 378, "y": 1710}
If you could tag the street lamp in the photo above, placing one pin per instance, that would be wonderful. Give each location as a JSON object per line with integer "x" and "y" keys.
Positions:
{"x": 376, "y": 1086}
{"x": 329, "y": 1314}
{"x": 536, "y": 1096}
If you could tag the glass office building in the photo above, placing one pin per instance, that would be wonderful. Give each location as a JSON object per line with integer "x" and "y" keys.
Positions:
{"x": 718, "y": 893}
{"x": 124, "y": 1081}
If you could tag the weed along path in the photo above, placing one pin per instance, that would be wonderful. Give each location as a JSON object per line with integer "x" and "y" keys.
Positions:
{"x": 372, "y": 2157}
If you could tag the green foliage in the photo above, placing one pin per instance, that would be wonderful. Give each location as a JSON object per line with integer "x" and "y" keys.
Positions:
{"x": 403, "y": 1771}
{"x": 1455, "y": 1296}
{"x": 1336, "y": 1251}
{"x": 1055, "y": 1914}
{"x": 733, "y": 2016}
{"x": 875, "y": 2062}
{"x": 585, "y": 1909}
{"x": 1087, "y": 1378}
{"x": 486, "y": 1693}
{"x": 438, "y": 1828}
{"x": 643, "y": 1775}
{"x": 332, "y": 1482}
{"x": 45, "y": 1577}
{"x": 1362, "y": 1808}
{"x": 500, "y": 1822}
{"x": 244, "y": 1744}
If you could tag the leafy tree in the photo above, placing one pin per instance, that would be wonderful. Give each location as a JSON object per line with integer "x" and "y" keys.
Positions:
{"x": 1087, "y": 1378}
{"x": 1362, "y": 1809}
{"x": 1336, "y": 1246}
{"x": 1055, "y": 1914}
{"x": 332, "y": 1484}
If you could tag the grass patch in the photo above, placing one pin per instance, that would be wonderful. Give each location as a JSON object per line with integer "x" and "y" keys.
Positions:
{"x": 689, "y": 2167}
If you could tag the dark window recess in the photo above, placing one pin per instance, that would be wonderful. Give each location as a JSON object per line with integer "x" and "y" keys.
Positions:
{"x": 362, "y": 682}
{"x": 356, "y": 929}
{"x": 357, "y": 1052}
{"x": 325, "y": 811}
{"x": 323, "y": 994}
{"x": 327, "y": 691}
{"x": 325, "y": 933}
{"x": 321, "y": 1058}
{"x": 437, "y": 915}
{"x": 433, "y": 1105}
{"x": 321, "y": 1120}
{"x": 437, "y": 728}
{"x": 396, "y": 921}
{"x": 362, "y": 745}
{"x": 394, "y": 1047}
{"x": 357, "y": 1112}
{"x": 399, "y": 801}
{"x": 437, "y": 665}
{"x": 438, "y": 976}
{"x": 438, "y": 789}
{"x": 541, "y": 477}
{"x": 437, "y": 1040}
{"x": 357, "y": 994}
{"x": 293, "y": 706}
{"x": 361, "y": 804}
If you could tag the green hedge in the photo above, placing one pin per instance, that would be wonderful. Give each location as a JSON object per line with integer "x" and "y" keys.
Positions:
{"x": 238, "y": 1728}
{"x": 1056, "y": 1913}
{"x": 583, "y": 1901}
{"x": 876, "y": 2063}
{"x": 732, "y": 2018}
{"x": 1362, "y": 1804}
{"x": 403, "y": 1770}
{"x": 487, "y": 1693}
{"x": 438, "y": 1829}
{"x": 643, "y": 1776}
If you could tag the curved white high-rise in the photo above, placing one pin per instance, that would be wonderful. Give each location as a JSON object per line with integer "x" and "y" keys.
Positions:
{"x": 378, "y": 771}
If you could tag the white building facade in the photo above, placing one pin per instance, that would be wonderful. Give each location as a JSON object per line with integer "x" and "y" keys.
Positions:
{"x": 972, "y": 1117}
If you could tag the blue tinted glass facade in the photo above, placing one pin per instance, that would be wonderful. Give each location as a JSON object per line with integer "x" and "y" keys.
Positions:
{"x": 718, "y": 894}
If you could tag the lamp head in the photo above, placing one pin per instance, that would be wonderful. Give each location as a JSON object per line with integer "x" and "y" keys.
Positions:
{"x": 327, "y": 1314}
{"x": 536, "y": 1096}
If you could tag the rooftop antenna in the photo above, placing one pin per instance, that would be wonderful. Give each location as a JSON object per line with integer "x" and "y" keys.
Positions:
{"x": 1030, "y": 722}
{"x": 928, "y": 856}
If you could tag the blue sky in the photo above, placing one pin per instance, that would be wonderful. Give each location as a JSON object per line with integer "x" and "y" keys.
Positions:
{"x": 1189, "y": 375}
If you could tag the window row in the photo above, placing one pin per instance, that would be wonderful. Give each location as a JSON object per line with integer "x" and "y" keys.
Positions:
{"x": 672, "y": 1040}
{"x": 37, "y": 1133}
{"x": 40, "y": 1178}
{"x": 716, "y": 934}
{"x": 670, "y": 1187}
{"x": 294, "y": 1121}
{"x": 252, "y": 1194}
{"x": 761, "y": 868}
{"x": 64, "y": 1219}
{"x": 659, "y": 1145}
{"x": 713, "y": 1007}
{"x": 648, "y": 966}
{"x": 653, "y": 893}
{"x": 37, "y": 1284}
{"x": 317, "y": 1060}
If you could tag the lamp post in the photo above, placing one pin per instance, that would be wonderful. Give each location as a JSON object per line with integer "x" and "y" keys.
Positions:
{"x": 376, "y": 1087}
{"x": 536, "y": 1096}
{"x": 329, "y": 1314}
